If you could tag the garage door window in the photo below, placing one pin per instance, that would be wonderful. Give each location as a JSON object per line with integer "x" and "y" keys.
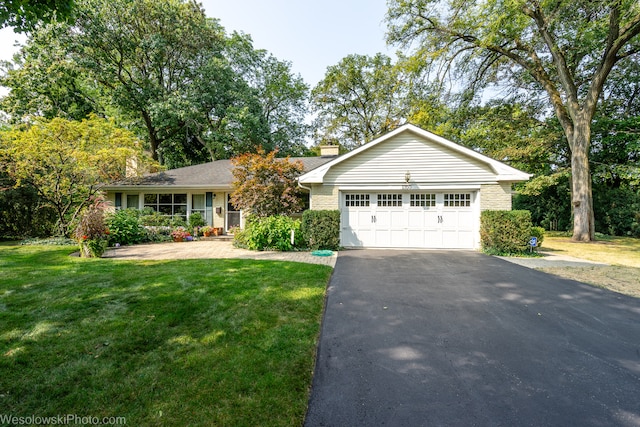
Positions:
{"x": 457, "y": 200}
{"x": 423, "y": 200}
{"x": 356, "y": 200}
{"x": 386, "y": 200}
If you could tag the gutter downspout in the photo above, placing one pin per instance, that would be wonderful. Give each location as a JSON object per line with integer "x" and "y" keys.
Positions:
{"x": 305, "y": 188}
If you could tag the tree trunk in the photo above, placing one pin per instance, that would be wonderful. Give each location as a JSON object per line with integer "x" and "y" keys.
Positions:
{"x": 153, "y": 140}
{"x": 581, "y": 197}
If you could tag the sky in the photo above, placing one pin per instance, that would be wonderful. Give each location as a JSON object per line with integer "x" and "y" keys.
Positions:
{"x": 312, "y": 35}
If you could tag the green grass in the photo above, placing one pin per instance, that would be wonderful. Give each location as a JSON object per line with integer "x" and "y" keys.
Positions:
{"x": 195, "y": 342}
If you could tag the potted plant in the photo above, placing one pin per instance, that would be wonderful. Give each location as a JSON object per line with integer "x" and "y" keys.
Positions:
{"x": 206, "y": 231}
{"x": 217, "y": 231}
{"x": 180, "y": 234}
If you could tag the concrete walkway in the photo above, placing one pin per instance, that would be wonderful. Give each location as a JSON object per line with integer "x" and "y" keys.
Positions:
{"x": 211, "y": 249}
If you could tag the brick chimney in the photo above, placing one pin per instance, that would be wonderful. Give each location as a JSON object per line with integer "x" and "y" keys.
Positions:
{"x": 329, "y": 150}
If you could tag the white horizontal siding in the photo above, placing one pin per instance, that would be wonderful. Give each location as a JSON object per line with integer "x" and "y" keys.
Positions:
{"x": 428, "y": 162}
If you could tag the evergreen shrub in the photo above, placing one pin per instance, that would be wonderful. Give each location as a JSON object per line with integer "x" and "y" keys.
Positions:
{"x": 321, "y": 229}
{"x": 505, "y": 232}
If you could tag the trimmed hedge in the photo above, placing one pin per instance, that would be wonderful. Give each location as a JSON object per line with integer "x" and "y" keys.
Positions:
{"x": 505, "y": 232}
{"x": 321, "y": 229}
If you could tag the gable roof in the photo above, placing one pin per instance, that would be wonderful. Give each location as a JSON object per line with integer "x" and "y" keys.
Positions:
{"x": 216, "y": 175}
{"x": 502, "y": 171}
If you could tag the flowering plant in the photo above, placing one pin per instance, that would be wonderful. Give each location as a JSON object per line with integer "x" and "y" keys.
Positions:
{"x": 180, "y": 233}
{"x": 91, "y": 232}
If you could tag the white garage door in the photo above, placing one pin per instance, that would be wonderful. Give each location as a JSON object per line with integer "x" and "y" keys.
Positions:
{"x": 409, "y": 220}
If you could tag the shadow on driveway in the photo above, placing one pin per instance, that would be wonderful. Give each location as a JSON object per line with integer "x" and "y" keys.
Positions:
{"x": 429, "y": 338}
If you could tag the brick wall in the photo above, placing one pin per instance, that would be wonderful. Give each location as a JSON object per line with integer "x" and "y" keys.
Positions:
{"x": 324, "y": 197}
{"x": 495, "y": 196}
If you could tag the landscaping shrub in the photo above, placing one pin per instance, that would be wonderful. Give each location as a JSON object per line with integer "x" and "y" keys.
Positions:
{"x": 151, "y": 218}
{"x": 91, "y": 232}
{"x": 321, "y": 229}
{"x": 537, "y": 232}
{"x": 159, "y": 233}
{"x": 271, "y": 233}
{"x": 196, "y": 221}
{"x": 178, "y": 220}
{"x": 125, "y": 229}
{"x": 505, "y": 232}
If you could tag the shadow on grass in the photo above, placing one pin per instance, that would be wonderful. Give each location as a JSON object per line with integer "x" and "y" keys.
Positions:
{"x": 195, "y": 342}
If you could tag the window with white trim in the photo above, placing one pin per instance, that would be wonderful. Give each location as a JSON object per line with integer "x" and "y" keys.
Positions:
{"x": 457, "y": 199}
{"x": 356, "y": 200}
{"x": 167, "y": 204}
{"x": 423, "y": 200}
{"x": 198, "y": 204}
{"x": 387, "y": 200}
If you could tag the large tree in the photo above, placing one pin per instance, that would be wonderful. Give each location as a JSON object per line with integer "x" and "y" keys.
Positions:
{"x": 68, "y": 162}
{"x": 45, "y": 82}
{"x": 146, "y": 53}
{"x": 565, "y": 49}
{"x": 359, "y": 99}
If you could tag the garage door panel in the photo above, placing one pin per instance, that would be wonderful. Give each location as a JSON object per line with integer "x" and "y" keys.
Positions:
{"x": 429, "y": 220}
{"x": 417, "y": 238}
{"x": 416, "y": 219}
{"x": 398, "y": 219}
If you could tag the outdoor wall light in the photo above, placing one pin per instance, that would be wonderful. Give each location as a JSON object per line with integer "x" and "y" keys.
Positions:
{"x": 407, "y": 176}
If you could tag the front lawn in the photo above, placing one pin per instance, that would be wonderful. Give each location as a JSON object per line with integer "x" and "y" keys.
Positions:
{"x": 623, "y": 253}
{"x": 194, "y": 342}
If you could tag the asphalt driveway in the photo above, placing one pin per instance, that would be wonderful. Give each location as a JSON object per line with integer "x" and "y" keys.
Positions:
{"x": 455, "y": 338}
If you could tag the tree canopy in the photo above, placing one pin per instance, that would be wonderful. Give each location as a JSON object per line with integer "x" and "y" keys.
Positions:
{"x": 167, "y": 72}
{"x": 564, "y": 49}
{"x": 359, "y": 99}
{"x": 67, "y": 162}
{"x": 25, "y": 15}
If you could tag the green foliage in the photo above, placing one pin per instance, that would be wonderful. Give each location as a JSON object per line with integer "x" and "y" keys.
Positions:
{"x": 272, "y": 233}
{"x": 67, "y": 162}
{"x": 505, "y": 232}
{"x": 178, "y": 220}
{"x": 617, "y": 211}
{"x": 321, "y": 229}
{"x": 91, "y": 231}
{"x": 45, "y": 81}
{"x": 125, "y": 228}
{"x": 266, "y": 186}
{"x": 537, "y": 232}
{"x": 21, "y": 213}
{"x": 196, "y": 220}
{"x": 359, "y": 99}
{"x": 25, "y": 16}
{"x": 50, "y": 241}
{"x": 550, "y": 206}
{"x": 153, "y": 218}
